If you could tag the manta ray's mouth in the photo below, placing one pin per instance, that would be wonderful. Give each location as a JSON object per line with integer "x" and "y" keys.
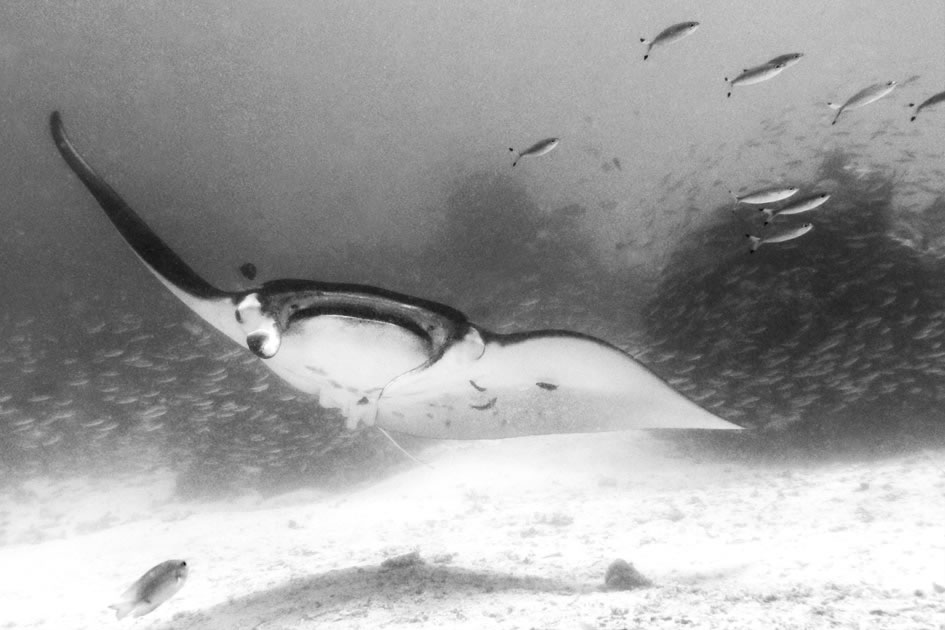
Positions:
{"x": 409, "y": 364}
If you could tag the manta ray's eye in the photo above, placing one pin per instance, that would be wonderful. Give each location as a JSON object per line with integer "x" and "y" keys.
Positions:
{"x": 293, "y": 307}
{"x": 239, "y": 317}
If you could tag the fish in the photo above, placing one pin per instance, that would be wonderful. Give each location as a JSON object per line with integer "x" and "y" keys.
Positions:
{"x": 248, "y": 270}
{"x": 152, "y": 589}
{"x": 780, "y": 237}
{"x": 865, "y": 96}
{"x": 539, "y": 148}
{"x": 787, "y": 60}
{"x": 669, "y": 35}
{"x": 796, "y": 207}
{"x": 404, "y": 363}
{"x": 765, "y": 195}
{"x": 929, "y": 102}
{"x": 751, "y": 76}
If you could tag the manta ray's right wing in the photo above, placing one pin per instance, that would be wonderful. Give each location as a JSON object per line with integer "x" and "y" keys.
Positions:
{"x": 498, "y": 386}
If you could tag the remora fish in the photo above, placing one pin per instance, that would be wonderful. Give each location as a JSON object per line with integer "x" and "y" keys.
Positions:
{"x": 796, "y": 207}
{"x": 539, "y": 148}
{"x": 765, "y": 195}
{"x": 407, "y": 364}
{"x": 929, "y": 102}
{"x": 669, "y": 35}
{"x": 786, "y": 235}
{"x": 152, "y": 589}
{"x": 751, "y": 76}
{"x": 865, "y": 96}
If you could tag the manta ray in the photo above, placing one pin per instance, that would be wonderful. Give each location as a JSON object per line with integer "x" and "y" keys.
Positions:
{"x": 407, "y": 364}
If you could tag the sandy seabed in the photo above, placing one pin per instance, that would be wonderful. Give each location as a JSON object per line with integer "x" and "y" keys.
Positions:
{"x": 510, "y": 534}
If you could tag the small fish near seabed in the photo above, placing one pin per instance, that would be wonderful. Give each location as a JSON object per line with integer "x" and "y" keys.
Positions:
{"x": 765, "y": 195}
{"x": 752, "y": 76}
{"x": 539, "y": 148}
{"x": 864, "y": 97}
{"x": 152, "y": 589}
{"x": 796, "y": 207}
{"x": 927, "y": 103}
{"x": 669, "y": 35}
{"x": 780, "y": 237}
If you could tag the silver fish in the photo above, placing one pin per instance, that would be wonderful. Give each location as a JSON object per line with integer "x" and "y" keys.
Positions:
{"x": 152, "y": 589}
{"x": 801, "y": 205}
{"x": 780, "y": 237}
{"x": 787, "y": 60}
{"x": 765, "y": 195}
{"x": 539, "y": 148}
{"x": 669, "y": 35}
{"x": 929, "y": 102}
{"x": 865, "y": 96}
{"x": 751, "y": 76}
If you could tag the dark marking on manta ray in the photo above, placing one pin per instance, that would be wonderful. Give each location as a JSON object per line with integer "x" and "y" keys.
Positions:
{"x": 549, "y": 386}
{"x": 488, "y": 405}
{"x": 473, "y": 383}
{"x": 248, "y": 270}
{"x": 363, "y": 400}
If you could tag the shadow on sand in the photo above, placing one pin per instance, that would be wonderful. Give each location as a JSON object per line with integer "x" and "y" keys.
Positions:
{"x": 359, "y": 591}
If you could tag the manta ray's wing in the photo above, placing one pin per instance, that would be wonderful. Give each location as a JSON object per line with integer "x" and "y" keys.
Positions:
{"x": 499, "y": 386}
{"x": 215, "y": 306}
{"x": 337, "y": 342}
